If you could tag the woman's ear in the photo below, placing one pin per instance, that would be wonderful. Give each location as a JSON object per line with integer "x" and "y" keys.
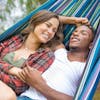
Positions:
{"x": 91, "y": 45}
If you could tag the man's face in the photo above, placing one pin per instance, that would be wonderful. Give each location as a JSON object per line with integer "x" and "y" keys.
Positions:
{"x": 81, "y": 38}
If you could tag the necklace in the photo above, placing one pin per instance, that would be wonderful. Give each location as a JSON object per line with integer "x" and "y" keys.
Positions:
{"x": 28, "y": 50}
{"x": 25, "y": 53}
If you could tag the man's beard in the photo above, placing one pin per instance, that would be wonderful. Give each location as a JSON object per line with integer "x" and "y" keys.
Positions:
{"x": 73, "y": 48}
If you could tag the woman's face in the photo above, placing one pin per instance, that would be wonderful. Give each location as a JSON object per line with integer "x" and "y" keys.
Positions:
{"x": 46, "y": 31}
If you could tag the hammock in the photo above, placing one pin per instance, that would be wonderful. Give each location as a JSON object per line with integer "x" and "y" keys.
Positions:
{"x": 78, "y": 8}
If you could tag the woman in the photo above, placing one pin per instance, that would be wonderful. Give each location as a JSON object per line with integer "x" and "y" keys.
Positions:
{"x": 18, "y": 50}
{"x": 21, "y": 49}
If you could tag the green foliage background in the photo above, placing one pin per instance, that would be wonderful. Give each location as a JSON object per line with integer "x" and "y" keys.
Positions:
{"x": 12, "y": 11}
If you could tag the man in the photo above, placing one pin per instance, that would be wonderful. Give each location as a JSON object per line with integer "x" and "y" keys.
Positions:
{"x": 61, "y": 80}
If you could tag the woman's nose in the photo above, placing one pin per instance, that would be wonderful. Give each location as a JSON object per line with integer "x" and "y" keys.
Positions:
{"x": 50, "y": 30}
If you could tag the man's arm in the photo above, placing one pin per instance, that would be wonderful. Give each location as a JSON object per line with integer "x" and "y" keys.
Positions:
{"x": 73, "y": 20}
{"x": 35, "y": 80}
{"x": 50, "y": 93}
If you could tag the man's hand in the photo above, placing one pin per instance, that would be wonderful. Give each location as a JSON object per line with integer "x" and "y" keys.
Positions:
{"x": 74, "y": 20}
{"x": 31, "y": 76}
{"x": 80, "y": 20}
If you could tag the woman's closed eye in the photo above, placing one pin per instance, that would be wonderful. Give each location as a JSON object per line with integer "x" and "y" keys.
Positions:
{"x": 48, "y": 24}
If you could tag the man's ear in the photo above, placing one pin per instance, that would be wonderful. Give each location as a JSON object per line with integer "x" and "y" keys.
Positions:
{"x": 91, "y": 45}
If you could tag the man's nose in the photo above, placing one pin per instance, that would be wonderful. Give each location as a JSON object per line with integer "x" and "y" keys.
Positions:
{"x": 76, "y": 33}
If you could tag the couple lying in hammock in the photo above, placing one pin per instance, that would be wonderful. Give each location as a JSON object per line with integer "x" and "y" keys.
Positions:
{"x": 37, "y": 58}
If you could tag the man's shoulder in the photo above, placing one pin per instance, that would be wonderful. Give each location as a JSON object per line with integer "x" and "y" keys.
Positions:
{"x": 60, "y": 51}
{"x": 61, "y": 54}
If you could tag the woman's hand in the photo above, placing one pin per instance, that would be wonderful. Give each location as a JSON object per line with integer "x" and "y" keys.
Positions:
{"x": 15, "y": 71}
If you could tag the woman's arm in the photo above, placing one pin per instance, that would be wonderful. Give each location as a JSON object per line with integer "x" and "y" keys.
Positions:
{"x": 8, "y": 72}
{"x": 73, "y": 20}
{"x": 8, "y": 68}
{"x": 6, "y": 92}
{"x": 7, "y": 46}
{"x": 16, "y": 84}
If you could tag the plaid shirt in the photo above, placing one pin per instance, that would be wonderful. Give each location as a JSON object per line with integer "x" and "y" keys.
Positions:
{"x": 40, "y": 60}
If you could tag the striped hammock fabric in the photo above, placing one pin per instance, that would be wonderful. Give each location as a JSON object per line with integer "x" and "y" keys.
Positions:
{"x": 78, "y": 8}
{"x": 91, "y": 74}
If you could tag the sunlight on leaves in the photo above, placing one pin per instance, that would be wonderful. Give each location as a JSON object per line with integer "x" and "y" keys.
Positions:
{"x": 12, "y": 11}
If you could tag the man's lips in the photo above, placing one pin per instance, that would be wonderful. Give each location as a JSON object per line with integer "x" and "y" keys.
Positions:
{"x": 74, "y": 39}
